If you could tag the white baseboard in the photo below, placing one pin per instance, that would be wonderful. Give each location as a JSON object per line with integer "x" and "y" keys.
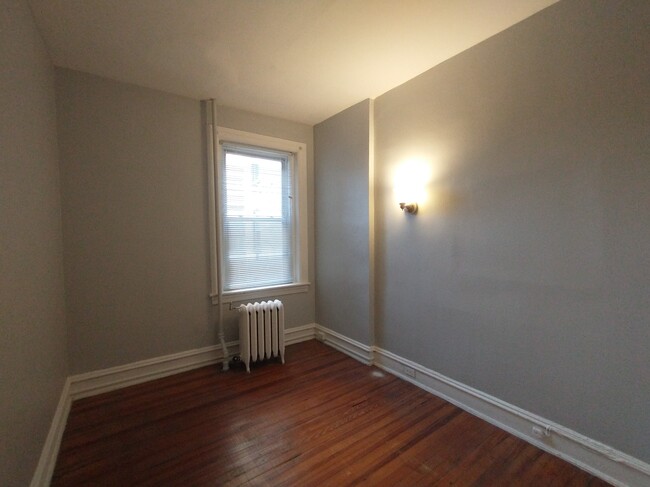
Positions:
{"x": 605, "y": 462}
{"x": 100, "y": 381}
{"x": 47, "y": 461}
{"x": 299, "y": 334}
{"x": 601, "y": 460}
{"x": 357, "y": 350}
{"x": 105, "y": 380}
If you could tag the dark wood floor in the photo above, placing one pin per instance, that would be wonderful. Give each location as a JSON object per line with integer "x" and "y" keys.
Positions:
{"x": 322, "y": 419}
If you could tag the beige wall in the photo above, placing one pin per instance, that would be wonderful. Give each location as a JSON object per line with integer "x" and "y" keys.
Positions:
{"x": 135, "y": 220}
{"x": 33, "y": 363}
{"x": 526, "y": 273}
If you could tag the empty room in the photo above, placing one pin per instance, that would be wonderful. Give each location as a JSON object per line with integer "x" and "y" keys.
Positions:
{"x": 325, "y": 242}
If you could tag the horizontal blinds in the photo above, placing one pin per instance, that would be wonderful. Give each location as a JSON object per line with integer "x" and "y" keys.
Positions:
{"x": 257, "y": 224}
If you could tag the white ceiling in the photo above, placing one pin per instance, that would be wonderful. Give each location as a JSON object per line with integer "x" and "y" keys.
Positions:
{"x": 302, "y": 60}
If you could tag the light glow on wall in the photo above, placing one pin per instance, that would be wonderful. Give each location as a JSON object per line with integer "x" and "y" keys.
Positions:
{"x": 410, "y": 181}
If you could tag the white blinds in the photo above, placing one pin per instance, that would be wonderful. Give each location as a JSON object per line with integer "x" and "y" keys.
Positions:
{"x": 257, "y": 231}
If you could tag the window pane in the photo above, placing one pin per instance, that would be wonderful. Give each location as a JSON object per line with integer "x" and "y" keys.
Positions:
{"x": 257, "y": 230}
{"x": 254, "y": 186}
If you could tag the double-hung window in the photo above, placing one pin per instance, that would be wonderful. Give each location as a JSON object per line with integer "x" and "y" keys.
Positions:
{"x": 261, "y": 215}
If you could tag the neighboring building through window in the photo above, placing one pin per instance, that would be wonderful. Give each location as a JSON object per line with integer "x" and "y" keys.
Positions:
{"x": 258, "y": 231}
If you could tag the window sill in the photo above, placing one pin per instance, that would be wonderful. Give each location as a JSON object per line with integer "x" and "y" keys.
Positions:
{"x": 262, "y": 292}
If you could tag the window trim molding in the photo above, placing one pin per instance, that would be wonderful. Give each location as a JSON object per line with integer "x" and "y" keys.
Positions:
{"x": 301, "y": 260}
{"x": 261, "y": 292}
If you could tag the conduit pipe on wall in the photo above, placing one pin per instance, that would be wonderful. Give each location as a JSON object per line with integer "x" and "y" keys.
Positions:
{"x": 215, "y": 229}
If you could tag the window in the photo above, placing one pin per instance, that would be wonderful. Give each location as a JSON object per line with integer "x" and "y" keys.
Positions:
{"x": 260, "y": 208}
{"x": 257, "y": 226}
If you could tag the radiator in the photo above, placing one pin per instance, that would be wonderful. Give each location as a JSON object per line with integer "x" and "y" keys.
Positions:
{"x": 261, "y": 331}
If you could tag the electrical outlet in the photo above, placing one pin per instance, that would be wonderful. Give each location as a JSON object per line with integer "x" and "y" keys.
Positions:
{"x": 542, "y": 431}
{"x": 409, "y": 371}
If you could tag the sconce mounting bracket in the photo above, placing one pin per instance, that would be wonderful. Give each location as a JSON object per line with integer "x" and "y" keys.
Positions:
{"x": 409, "y": 207}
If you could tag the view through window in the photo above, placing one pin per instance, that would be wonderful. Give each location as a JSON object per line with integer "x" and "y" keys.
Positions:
{"x": 258, "y": 228}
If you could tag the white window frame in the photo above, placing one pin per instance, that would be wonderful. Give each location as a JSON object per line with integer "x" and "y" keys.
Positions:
{"x": 300, "y": 215}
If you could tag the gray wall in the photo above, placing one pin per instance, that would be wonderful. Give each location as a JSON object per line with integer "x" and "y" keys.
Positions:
{"x": 135, "y": 220}
{"x": 526, "y": 274}
{"x": 343, "y": 287}
{"x": 32, "y": 314}
{"x": 134, "y": 224}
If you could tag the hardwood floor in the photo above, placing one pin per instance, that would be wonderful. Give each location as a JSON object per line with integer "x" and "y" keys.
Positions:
{"x": 321, "y": 419}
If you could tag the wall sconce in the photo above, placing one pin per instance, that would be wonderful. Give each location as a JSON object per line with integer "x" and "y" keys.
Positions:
{"x": 411, "y": 208}
{"x": 410, "y": 180}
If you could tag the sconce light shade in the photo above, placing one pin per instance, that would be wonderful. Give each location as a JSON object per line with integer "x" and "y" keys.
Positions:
{"x": 410, "y": 184}
{"x": 409, "y": 207}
